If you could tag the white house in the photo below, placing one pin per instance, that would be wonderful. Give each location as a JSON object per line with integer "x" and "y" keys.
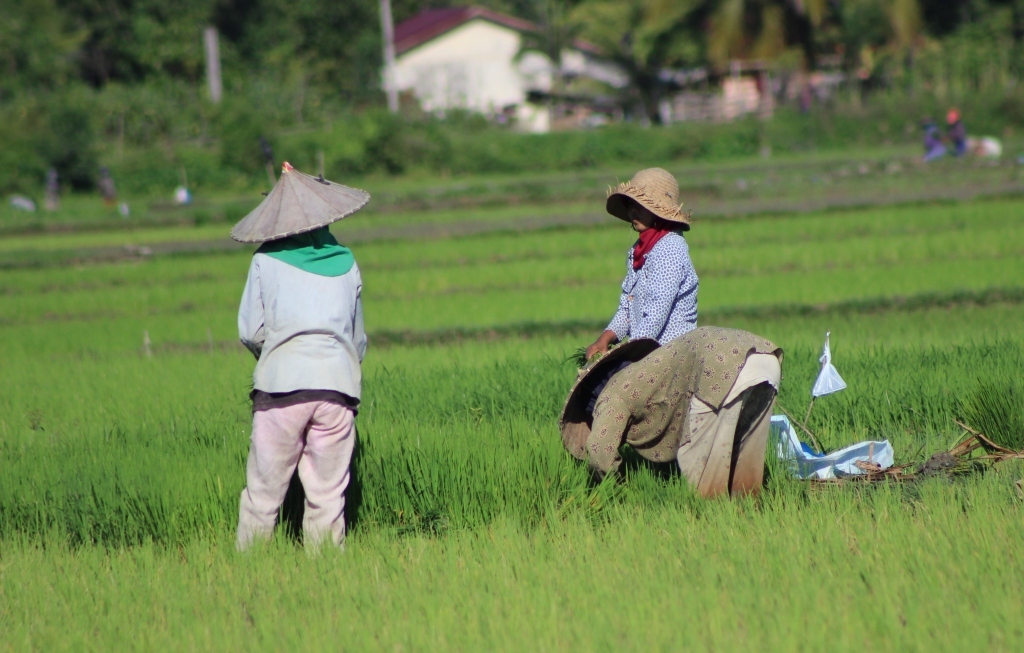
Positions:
{"x": 473, "y": 58}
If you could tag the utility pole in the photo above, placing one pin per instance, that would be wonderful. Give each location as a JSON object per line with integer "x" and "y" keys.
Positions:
{"x": 388, "y": 28}
{"x": 213, "y": 63}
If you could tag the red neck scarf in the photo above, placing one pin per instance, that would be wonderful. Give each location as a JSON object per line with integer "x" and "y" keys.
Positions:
{"x": 648, "y": 239}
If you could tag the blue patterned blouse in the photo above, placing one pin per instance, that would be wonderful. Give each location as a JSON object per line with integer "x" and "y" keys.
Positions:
{"x": 660, "y": 299}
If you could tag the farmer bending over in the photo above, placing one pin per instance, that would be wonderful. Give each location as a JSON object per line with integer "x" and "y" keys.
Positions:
{"x": 301, "y": 316}
{"x": 703, "y": 400}
{"x": 659, "y": 293}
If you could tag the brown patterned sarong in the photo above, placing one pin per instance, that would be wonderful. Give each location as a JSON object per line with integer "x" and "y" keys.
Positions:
{"x": 647, "y": 405}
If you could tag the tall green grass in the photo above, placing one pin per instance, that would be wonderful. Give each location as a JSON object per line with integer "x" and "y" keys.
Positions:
{"x": 471, "y": 527}
{"x": 155, "y": 449}
{"x": 881, "y": 568}
{"x": 996, "y": 408}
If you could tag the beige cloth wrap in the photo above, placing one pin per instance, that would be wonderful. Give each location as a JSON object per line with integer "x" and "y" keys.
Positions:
{"x": 648, "y": 404}
{"x": 726, "y": 448}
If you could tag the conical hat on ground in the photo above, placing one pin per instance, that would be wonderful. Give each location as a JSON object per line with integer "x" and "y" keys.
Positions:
{"x": 576, "y": 419}
{"x": 298, "y": 203}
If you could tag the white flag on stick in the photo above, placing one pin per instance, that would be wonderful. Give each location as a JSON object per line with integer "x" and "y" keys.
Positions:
{"x": 829, "y": 380}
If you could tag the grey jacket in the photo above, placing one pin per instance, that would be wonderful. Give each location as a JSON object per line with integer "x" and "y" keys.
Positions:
{"x": 305, "y": 330}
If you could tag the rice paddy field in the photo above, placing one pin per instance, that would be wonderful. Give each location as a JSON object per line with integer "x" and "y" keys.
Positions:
{"x": 124, "y": 427}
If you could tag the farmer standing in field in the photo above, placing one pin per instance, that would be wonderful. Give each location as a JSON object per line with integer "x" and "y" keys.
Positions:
{"x": 301, "y": 316}
{"x": 659, "y": 293}
{"x": 704, "y": 400}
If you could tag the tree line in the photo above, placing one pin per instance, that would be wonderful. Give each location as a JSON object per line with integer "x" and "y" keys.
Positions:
{"x": 123, "y": 81}
{"x": 46, "y": 44}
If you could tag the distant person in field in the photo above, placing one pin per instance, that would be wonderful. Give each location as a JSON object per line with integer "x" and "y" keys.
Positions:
{"x": 933, "y": 145}
{"x": 703, "y": 401}
{"x": 956, "y": 132}
{"x": 52, "y": 198}
{"x": 659, "y": 293}
{"x": 301, "y": 316}
{"x": 106, "y": 186}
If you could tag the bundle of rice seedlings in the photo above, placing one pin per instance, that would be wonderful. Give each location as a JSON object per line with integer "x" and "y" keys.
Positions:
{"x": 578, "y": 357}
{"x": 996, "y": 409}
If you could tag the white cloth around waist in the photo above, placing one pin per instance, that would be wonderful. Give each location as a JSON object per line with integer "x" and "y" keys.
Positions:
{"x": 758, "y": 368}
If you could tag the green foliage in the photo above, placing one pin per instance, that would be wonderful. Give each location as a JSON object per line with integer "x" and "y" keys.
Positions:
{"x": 20, "y": 158}
{"x": 240, "y": 128}
{"x": 334, "y": 46}
{"x": 380, "y": 142}
{"x": 54, "y": 130}
{"x": 375, "y": 142}
{"x": 68, "y": 143}
{"x": 645, "y": 35}
{"x": 37, "y": 46}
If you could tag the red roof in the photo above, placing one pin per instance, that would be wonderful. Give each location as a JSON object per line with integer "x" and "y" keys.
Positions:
{"x": 432, "y": 23}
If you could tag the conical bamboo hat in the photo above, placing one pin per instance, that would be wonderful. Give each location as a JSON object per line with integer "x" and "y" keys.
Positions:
{"x": 575, "y": 421}
{"x": 298, "y": 203}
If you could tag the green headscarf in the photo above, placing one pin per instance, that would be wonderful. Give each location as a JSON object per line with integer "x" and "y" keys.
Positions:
{"x": 314, "y": 251}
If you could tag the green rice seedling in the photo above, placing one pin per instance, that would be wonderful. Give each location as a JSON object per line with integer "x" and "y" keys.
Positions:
{"x": 471, "y": 527}
{"x": 995, "y": 407}
{"x": 904, "y": 566}
{"x": 556, "y": 276}
{"x": 126, "y": 451}
{"x": 578, "y": 357}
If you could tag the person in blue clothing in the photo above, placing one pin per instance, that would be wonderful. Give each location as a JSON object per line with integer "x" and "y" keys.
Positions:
{"x": 934, "y": 148}
{"x": 659, "y": 293}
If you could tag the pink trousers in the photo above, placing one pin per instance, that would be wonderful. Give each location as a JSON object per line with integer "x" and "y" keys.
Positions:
{"x": 318, "y": 437}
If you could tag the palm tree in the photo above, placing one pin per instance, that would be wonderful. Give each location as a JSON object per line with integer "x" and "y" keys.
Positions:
{"x": 645, "y": 37}
{"x": 557, "y": 32}
{"x": 886, "y": 27}
{"x": 764, "y": 29}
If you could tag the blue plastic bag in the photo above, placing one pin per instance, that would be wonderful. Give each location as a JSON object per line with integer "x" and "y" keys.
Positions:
{"x": 804, "y": 463}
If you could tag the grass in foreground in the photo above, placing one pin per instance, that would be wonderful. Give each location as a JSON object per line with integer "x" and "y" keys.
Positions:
{"x": 927, "y": 569}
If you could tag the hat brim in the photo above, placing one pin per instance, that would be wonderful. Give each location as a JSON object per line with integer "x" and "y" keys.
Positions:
{"x": 297, "y": 204}
{"x": 618, "y": 204}
{"x": 574, "y": 423}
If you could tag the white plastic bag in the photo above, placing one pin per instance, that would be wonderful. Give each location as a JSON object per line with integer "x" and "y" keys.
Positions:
{"x": 804, "y": 463}
{"x": 829, "y": 380}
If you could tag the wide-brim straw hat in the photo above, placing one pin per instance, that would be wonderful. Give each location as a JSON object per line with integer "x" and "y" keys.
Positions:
{"x": 298, "y": 203}
{"x": 575, "y": 420}
{"x": 654, "y": 189}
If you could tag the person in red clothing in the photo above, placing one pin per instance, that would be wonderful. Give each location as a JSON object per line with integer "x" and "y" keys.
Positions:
{"x": 957, "y": 133}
